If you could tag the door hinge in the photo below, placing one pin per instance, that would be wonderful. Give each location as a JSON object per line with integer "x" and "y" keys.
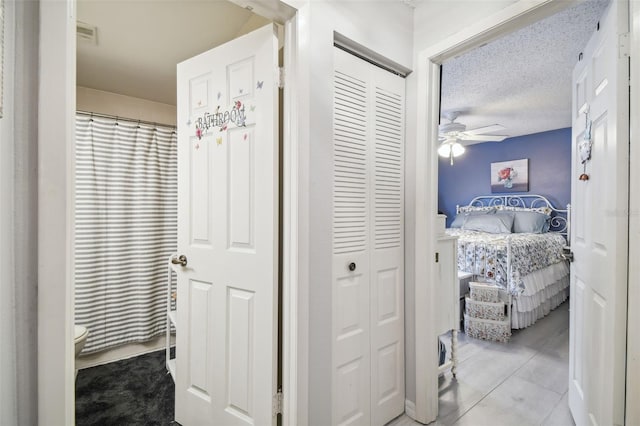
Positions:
{"x": 437, "y": 257}
{"x": 277, "y": 403}
{"x": 624, "y": 48}
{"x": 280, "y": 77}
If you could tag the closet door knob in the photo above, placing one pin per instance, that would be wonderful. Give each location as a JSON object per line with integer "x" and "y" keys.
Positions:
{"x": 180, "y": 260}
{"x": 352, "y": 266}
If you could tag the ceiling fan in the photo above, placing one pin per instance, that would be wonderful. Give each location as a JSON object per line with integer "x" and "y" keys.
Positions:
{"x": 453, "y": 135}
{"x": 456, "y": 130}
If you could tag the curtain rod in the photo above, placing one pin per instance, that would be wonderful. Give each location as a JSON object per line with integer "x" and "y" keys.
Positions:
{"x": 115, "y": 117}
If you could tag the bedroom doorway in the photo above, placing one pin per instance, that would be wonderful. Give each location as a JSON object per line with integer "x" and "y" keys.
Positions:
{"x": 432, "y": 73}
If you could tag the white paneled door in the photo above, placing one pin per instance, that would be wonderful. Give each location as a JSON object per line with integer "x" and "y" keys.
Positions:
{"x": 368, "y": 243}
{"x": 226, "y": 329}
{"x": 599, "y": 232}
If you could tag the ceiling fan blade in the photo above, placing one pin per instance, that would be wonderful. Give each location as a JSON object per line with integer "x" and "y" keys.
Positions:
{"x": 485, "y": 129}
{"x": 482, "y": 138}
{"x": 475, "y": 140}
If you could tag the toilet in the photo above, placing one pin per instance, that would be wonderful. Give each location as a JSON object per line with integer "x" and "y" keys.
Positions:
{"x": 80, "y": 338}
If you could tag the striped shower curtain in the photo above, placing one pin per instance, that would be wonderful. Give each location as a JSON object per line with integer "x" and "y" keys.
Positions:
{"x": 125, "y": 228}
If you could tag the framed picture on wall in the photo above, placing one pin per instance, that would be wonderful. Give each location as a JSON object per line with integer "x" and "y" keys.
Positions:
{"x": 510, "y": 176}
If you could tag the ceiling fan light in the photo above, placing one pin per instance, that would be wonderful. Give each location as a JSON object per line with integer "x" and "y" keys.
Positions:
{"x": 457, "y": 149}
{"x": 444, "y": 150}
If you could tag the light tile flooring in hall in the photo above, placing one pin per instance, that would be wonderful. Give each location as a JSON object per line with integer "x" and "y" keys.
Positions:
{"x": 519, "y": 383}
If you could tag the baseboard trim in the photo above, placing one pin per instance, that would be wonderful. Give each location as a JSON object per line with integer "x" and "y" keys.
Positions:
{"x": 410, "y": 409}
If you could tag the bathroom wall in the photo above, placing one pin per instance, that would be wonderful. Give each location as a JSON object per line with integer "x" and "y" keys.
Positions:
{"x": 93, "y": 100}
{"x": 549, "y": 155}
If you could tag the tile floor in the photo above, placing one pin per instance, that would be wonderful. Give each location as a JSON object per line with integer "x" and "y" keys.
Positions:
{"x": 522, "y": 382}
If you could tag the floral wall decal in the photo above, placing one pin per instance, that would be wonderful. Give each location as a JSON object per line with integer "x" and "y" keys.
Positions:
{"x": 510, "y": 176}
{"x": 221, "y": 119}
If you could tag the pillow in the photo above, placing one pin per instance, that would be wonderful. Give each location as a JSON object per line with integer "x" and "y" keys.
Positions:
{"x": 462, "y": 216}
{"x": 485, "y": 209}
{"x": 498, "y": 223}
{"x": 530, "y": 222}
{"x": 543, "y": 210}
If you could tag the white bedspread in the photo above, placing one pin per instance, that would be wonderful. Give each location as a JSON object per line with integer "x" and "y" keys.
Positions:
{"x": 485, "y": 256}
{"x": 539, "y": 279}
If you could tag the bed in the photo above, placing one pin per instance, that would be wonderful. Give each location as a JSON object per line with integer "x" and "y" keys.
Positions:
{"x": 516, "y": 242}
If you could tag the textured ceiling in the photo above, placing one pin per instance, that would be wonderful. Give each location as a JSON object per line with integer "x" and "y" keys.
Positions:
{"x": 140, "y": 42}
{"x": 523, "y": 80}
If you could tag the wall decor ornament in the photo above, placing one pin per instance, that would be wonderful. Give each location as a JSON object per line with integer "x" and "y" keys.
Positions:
{"x": 585, "y": 145}
{"x": 510, "y": 176}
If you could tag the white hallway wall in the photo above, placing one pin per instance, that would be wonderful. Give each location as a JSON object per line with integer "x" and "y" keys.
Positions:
{"x": 8, "y": 401}
{"x": 436, "y": 20}
{"x": 18, "y": 216}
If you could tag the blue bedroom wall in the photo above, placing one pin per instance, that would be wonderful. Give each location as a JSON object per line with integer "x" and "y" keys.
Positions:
{"x": 549, "y": 155}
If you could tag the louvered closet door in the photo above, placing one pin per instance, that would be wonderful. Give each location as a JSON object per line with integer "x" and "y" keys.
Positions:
{"x": 387, "y": 245}
{"x": 368, "y": 243}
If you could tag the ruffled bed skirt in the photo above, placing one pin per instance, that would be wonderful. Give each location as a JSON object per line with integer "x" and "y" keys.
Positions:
{"x": 545, "y": 290}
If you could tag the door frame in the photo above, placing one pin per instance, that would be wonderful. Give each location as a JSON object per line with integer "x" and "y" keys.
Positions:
{"x": 56, "y": 169}
{"x": 507, "y": 20}
{"x": 632, "y": 415}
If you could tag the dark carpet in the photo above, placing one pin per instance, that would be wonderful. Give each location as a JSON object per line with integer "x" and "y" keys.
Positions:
{"x": 135, "y": 391}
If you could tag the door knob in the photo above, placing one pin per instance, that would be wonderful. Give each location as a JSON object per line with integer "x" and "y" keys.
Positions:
{"x": 352, "y": 266}
{"x": 180, "y": 260}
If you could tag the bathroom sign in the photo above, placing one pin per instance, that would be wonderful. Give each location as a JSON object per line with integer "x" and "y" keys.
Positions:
{"x": 222, "y": 119}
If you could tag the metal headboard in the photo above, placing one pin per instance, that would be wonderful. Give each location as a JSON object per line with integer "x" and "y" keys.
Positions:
{"x": 560, "y": 218}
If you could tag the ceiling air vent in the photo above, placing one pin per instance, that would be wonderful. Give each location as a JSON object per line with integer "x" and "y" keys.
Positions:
{"x": 87, "y": 32}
